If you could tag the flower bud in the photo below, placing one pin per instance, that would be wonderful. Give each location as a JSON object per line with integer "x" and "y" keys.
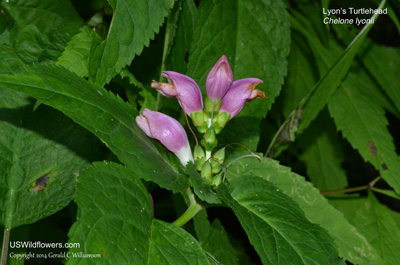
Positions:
{"x": 217, "y": 180}
{"x": 183, "y": 88}
{"x": 168, "y": 131}
{"x": 199, "y": 157}
{"x": 209, "y": 140}
{"x": 206, "y": 172}
{"x": 219, "y": 79}
{"x": 217, "y": 160}
{"x": 239, "y": 93}
{"x": 221, "y": 120}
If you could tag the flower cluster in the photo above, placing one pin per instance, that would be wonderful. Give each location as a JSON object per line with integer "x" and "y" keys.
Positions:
{"x": 225, "y": 99}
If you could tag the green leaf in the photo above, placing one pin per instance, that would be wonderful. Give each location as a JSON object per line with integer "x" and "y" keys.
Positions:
{"x": 24, "y": 45}
{"x": 116, "y": 222}
{"x": 41, "y": 154}
{"x": 376, "y": 223}
{"x": 133, "y": 25}
{"x": 276, "y": 226}
{"x": 55, "y": 18}
{"x": 76, "y": 55}
{"x": 352, "y": 244}
{"x": 385, "y": 69}
{"x": 182, "y": 39}
{"x": 228, "y": 27}
{"x": 104, "y": 114}
{"x": 328, "y": 84}
{"x": 217, "y": 243}
{"x": 301, "y": 74}
{"x": 323, "y": 154}
{"x": 363, "y": 123}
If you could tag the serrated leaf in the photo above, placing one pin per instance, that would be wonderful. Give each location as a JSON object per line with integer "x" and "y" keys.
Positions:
{"x": 134, "y": 23}
{"x": 351, "y": 243}
{"x": 276, "y": 226}
{"x": 76, "y": 55}
{"x": 375, "y": 222}
{"x": 363, "y": 123}
{"x": 41, "y": 154}
{"x": 328, "y": 84}
{"x": 104, "y": 114}
{"x": 385, "y": 69}
{"x": 323, "y": 154}
{"x": 116, "y": 222}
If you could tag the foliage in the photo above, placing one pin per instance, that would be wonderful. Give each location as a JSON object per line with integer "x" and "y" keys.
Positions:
{"x": 318, "y": 181}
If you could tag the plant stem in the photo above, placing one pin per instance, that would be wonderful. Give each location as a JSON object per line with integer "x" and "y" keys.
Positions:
{"x": 6, "y": 239}
{"x": 193, "y": 209}
{"x": 328, "y": 192}
{"x": 364, "y": 187}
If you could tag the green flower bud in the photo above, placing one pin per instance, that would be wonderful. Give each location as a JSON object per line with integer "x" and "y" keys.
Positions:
{"x": 217, "y": 180}
{"x": 199, "y": 157}
{"x": 221, "y": 120}
{"x": 209, "y": 105}
{"x": 198, "y": 118}
{"x": 206, "y": 172}
{"x": 209, "y": 140}
{"x": 217, "y": 160}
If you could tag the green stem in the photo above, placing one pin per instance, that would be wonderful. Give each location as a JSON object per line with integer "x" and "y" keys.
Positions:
{"x": 364, "y": 187}
{"x": 193, "y": 209}
{"x": 6, "y": 239}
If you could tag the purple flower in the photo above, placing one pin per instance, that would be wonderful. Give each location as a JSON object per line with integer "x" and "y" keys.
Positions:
{"x": 240, "y": 92}
{"x": 168, "y": 131}
{"x": 219, "y": 79}
{"x": 183, "y": 88}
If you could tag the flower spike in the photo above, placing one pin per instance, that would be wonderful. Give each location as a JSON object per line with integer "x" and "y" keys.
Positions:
{"x": 239, "y": 93}
{"x": 183, "y": 88}
{"x": 168, "y": 131}
{"x": 219, "y": 79}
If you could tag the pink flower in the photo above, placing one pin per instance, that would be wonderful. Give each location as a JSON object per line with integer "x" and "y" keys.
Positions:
{"x": 219, "y": 79}
{"x": 168, "y": 131}
{"x": 240, "y": 92}
{"x": 183, "y": 88}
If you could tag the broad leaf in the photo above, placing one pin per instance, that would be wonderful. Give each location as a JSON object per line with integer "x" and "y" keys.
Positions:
{"x": 386, "y": 69}
{"x": 276, "y": 226}
{"x": 375, "y": 222}
{"x": 104, "y": 114}
{"x": 363, "y": 123}
{"x": 352, "y": 244}
{"x": 116, "y": 223}
{"x": 76, "y": 55}
{"x": 134, "y": 23}
{"x": 42, "y": 153}
{"x": 65, "y": 22}
{"x": 328, "y": 84}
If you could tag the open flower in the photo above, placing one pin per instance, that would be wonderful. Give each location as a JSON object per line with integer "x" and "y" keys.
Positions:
{"x": 168, "y": 131}
{"x": 240, "y": 92}
{"x": 183, "y": 88}
{"x": 219, "y": 79}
